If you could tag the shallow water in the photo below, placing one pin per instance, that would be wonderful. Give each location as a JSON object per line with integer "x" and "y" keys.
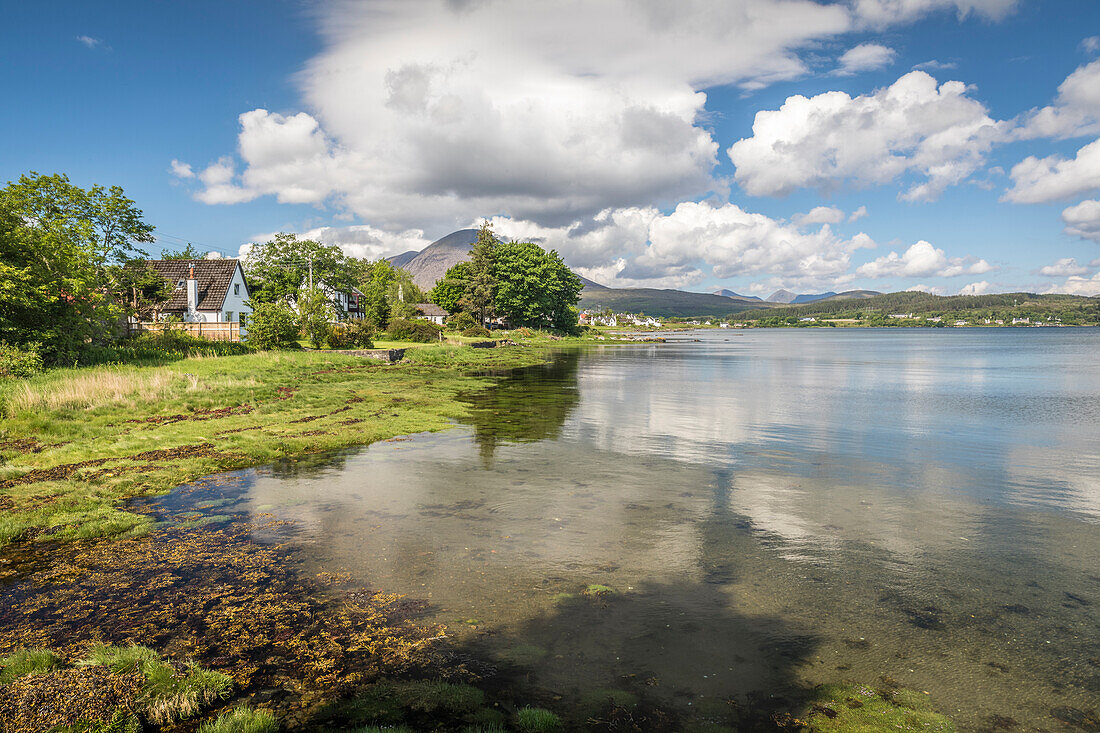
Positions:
{"x": 773, "y": 509}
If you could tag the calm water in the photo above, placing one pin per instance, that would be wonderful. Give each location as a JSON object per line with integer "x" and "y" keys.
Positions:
{"x": 775, "y": 509}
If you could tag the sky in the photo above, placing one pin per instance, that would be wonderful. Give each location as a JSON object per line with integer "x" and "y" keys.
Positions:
{"x": 951, "y": 146}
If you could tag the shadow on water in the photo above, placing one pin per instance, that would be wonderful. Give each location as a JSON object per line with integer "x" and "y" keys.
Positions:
{"x": 525, "y": 406}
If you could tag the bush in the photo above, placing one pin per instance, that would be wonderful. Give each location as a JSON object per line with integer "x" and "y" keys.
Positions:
{"x": 475, "y": 331}
{"x": 355, "y": 334}
{"x": 19, "y": 363}
{"x": 272, "y": 326}
{"x": 316, "y": 316}
{"x": 419, "y": 331}
{"x": 462, "y": 321}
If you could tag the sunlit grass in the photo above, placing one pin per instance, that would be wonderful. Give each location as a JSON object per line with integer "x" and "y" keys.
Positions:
{"x": 27, "y": 661}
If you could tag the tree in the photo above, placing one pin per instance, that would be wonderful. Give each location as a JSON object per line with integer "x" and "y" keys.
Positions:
{"x": 449, "y": 291}
{"x": 280, "y": 268}
{"x": 534, "y": 287}
{"x": 481, "y": 282}
{"x": 316, "y": 316}
{"x": 375, "y": 285}
{"x": 187, "y": 253}
{"x": 62, "y": 249}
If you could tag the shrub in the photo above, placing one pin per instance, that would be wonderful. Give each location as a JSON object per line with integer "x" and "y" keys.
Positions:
{"x": 19, "y": 363}
{"x": 355, "y": 334}
{"x": 537, "y": 720}
{"x": 403, "y": 329}
{"x": 462, "y": 321}
{"x": 242, "y": 720}
{"x": 27, "y": 661}
{"x": 272, "y": 326}
{"x": 475, "y": 331}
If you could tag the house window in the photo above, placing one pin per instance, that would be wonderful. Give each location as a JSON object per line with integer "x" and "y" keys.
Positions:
{"x": 236, "y": 289}
{"x": 229, "y": 316}
{"x": 244, "y": 318}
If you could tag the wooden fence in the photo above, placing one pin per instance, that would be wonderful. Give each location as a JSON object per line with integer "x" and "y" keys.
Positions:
{"x": 218, "y": 331}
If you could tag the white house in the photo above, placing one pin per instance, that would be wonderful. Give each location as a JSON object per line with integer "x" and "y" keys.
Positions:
{"x": 431, "y": 312}
{"x": 205, "y": 291}
{"x": 348, "y": 302}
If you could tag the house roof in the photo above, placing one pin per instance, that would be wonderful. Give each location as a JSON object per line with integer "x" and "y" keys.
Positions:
{"x": 213, "y": 276}
{"x": 431, "y": 309}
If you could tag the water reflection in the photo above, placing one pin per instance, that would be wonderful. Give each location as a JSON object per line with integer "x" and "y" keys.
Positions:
{"x": 811, "y": 506}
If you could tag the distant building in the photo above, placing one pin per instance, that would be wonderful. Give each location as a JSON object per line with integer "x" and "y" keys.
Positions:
{"x": 900, "y": 315}
{"x": 1024, "y": 321}
{"x": 808, "y": 319}
{"x": 431, "y": 312}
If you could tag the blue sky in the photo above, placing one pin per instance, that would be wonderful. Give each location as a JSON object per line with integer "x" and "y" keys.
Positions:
{"x": 619, "y": 132}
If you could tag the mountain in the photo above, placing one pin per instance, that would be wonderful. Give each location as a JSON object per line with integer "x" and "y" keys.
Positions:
{"x": 811, "y": 298}
{"x": 788, "y": 298}
{"x": 781, "y": 296}
{"x": 591, "y": 284}
{"x": 430, "y": 264}
{"x": 663, "y": 303}
{"x": 853, "y": 295}
{"x": 730, "y": 294}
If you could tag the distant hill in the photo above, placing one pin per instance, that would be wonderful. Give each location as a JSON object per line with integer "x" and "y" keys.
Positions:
{"x": 852, "y": 295}
{"x": 781, "y": 296}
{"x": 591, "y": 285}
{"x": 663, "y": 303}
{"x": 431, "y": 263}
{"x": 730, "y": 294}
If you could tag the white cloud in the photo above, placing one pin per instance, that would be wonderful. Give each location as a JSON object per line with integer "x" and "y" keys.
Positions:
{"x": 430, "y": 112}
{"x": 864, "y": 57}
{"x": 181, "y": 170}
{"x": 363, "y": 241}
{"x": 884, "y": 12}
{"x": 912, "y": 127}
{"x": 1063, "y": 267}
{"x": 1042, "y": 180}
{"x": 1091, "y": 44}
{"x": 923, "y": 260}
{"x": 977, "y": 288}
{"x": 934, "y": 65}
{"x": 89, "y": 42}
{"x": 643, "y": 247}
{"x": 1083, "y": 220}
{"x": 819, "y": 215}
{"x": 858, "y": 214}
{"x": 1076, "y": 109}
{"x": 1077, "y": 285}
{"x": 932, "y": 289}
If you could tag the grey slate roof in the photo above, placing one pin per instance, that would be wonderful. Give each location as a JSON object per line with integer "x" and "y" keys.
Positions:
{"x": 430, "y": 309}
{"x": 213, "y": 276}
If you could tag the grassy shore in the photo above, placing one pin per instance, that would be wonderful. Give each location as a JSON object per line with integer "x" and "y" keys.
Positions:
{"x": 76, "y": 443}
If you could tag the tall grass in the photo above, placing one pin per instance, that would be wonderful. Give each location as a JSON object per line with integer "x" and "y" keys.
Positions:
{"x": 27, "y": 661}
{"x": 242, "y": 720}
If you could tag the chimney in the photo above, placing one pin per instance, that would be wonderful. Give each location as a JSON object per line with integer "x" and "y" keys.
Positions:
{"x": 192, "y": 291}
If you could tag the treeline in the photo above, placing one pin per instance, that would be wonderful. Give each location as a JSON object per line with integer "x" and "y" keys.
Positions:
{"x": 1069, "y": 309}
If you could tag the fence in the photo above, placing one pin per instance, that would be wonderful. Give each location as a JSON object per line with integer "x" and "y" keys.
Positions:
{"x": 215, "y": 331}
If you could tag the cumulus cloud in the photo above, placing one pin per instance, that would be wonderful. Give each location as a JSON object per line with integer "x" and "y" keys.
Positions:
{"x": 1076, "y": 109}
{"x": 1042, "y": 180}
{"x": 1083, "y": 220}
{"x": 435, "y": 111}
{"x": 820, "y": 215}
{"x": 1091, "y": 44}
{"x": 1063, "y": 268}
{"x": 934, "y": 65}
{"x": 89, "y": 41}
{"x": 864, "y": 57}
{"x": 858, "y": 214}
{"x": 644, "y": 247}
{"x": 884, "y": 12}
{"x": 977, "y": 288}
{"x": 934, "y": 132}
{"x": 923, "y": 260}
{"x": 1077, "y": 285}
{"x": 922, "y": 288}
{"x": 363, "y": 241}
{"x": 181, "y": 170}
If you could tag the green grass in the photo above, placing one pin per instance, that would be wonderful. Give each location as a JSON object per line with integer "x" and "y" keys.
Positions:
{"x": 242, "y": 720}
{"x": 861, "y": 709}
{"x": 273, "y": 406}
{"x": 595, "y": 590}
{"x": 27, "y": 661}
{"x": 537, "y": 720}
{"x": 168, "y": 695}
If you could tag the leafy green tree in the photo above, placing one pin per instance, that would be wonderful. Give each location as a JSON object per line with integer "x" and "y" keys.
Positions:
{"x": 534, "y": 287}
{"x": 61, "y": 249}
{"x": 190, "y": 252}
{"x": 375, "y": 284}
{"x": 273, "y": 326}
{"x": 316, "y": 316}
{"x": 451, "y": 290}
{"x": 280, "y": 268}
